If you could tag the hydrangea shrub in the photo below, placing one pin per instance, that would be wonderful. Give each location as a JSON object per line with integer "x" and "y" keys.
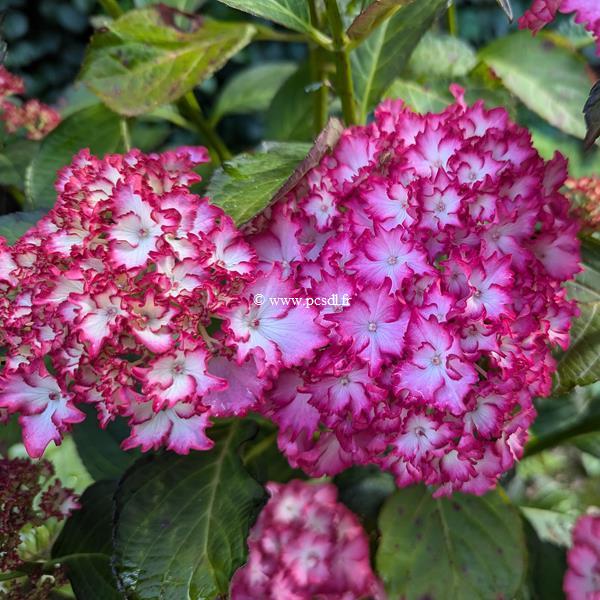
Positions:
{"x": 321, "y": 369}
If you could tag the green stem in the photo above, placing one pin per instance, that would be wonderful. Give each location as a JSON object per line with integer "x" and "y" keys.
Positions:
{"x": 266, "y": 34}
{"x": 11, "y": 575}
{"x": 316, "y": 63}
{"x": 125, "y": 135}
{"x": 259, "y": 448}
{"x": 453, "y": 19}
{"x": 190, "y": 109}
{"x": 112, "y": 8}
{"x": 537, "y": 445}
{"x": 341, "y": 55}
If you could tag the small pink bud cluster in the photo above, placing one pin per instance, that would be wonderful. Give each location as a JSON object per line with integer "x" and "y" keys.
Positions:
{"x": 582, "y": 581}
{"x": 585, "y": 193}
{"x": 107, "y": 300}
{"x": 306, "y": 545}
{"x": 35, "y": 117}
{"x": 450, "y": 235}
{"x": 542, "y": 12}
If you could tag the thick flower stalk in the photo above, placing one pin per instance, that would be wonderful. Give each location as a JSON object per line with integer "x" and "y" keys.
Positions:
{"x": 451, "y": 238}
{"x": 582, "y": 581}
{"x": 33, "y": 117}
{"x": 306, "y": 545}
{"x": 542, "y": 12}
{"x": 107, "y": 301}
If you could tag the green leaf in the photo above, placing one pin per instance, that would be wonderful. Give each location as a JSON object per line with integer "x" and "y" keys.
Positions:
{"x": 8, "y": 172}
{"x": 570, "y": 35}
{"x": 591, "y": 111}
{"x": 586, "y": 287}
{"x": 550, "y": 525}
{"x": 293, "y": 14}
{"x": 181, "y": 522}
{"x": 375, "y": 13}
{"x": 10, "y": 434}
{"x": 589, "y": 443}
{"x": 364, "y": 489}
{"x": 143, "y": 61}
{"x": 68, "y": 467}
{"x": 84, "y": 545}
{"x": 547, "y": 140}
{"x": 263, "y": 459}
{"x": 563, "y": 418}
{"x": 16, "y": 156}
{"x": 325, "y": 142}
{"x": 289, "y": 117}
{"x": 94, "y": 127}
{"x": 464, "y": 547}
{"x": 422, "y": 99}
{"x": 100, "y": 449}
{"x": 247, "y": 183}
{"x": 14, "y": 225}
{"x": 252, "y": 89}
{"x": 549, "y": 80}
{"x": 442, "y": 55}
{"x": 384, "y": 54}
{"x": 580, "y": 363}
{"x": 189, "y": 6}
{"x": 547, "y": 566}
{"x": 434, "y": 95}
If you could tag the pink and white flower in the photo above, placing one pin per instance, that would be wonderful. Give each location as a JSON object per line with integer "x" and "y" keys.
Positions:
{"x": 306, "y": 545}
{"x": 582, "y": 580}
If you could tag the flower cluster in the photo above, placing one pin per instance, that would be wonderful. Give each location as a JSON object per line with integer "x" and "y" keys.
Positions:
{"x": 306, "y": 545}
{"x": 542, "y": 12}
{"x": 447, "y": 231}
{"x": 22, "y": 502}
{"x": 34, "y": 117}
{"x": 450, "y": 235}
{"x": 585, "y": 193}
{"x": 107, "y": 301}
{"x": 582, "y": 581}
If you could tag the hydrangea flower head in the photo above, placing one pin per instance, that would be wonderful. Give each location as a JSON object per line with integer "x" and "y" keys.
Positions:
{"x": 107, "y": 301}
{"x": 542, "y": 12}
{"x": 582, "y": 581}
{"x": 452, "y": 239}
{"x": 306, "y": 545}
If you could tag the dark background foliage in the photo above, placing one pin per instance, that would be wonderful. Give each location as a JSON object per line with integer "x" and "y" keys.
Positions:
{"x": 46, "y": 41}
